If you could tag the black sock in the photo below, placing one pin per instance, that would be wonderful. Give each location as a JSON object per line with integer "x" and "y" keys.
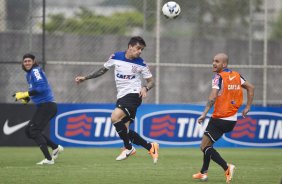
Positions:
{"x": 45, "y": 151}
{"x": 206, "y": 159}
{"x": 50, "y": 143}
{"x": 215, "y": 156}
{"x": 41, "y": 142}
{"x": 122, "y": 132}
{"x": 138, "y": 140}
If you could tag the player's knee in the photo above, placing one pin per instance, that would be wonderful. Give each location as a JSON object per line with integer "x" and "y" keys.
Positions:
{"x": 202, "y": 148}
{"x": 115, "y": 118}
{"x": 117, "y": 115}
{"x": 204, "y": 145}
{"x": 121, "y": 125}
{"x": 27, "y": 132}
{"x": 31, "y": 133}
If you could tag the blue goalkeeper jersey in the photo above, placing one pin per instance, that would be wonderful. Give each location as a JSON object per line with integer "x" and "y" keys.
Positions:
{"x": 38, "y": 82}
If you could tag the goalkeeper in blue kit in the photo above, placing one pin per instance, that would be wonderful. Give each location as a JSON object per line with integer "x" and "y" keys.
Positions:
{"x": 41, "y": 94}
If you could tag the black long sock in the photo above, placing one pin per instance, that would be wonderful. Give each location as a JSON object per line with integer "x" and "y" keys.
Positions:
{"x": 138, "y": 140}
{"x": 50, "y": 143}
{"x": 206, "y": 159}
{"x": 45, "y": 151}
{"x": 122, "y": 132}
{"x": 215, "y": 156}
{"x": 211, "y": 153}
{"x": 41, "y": 142}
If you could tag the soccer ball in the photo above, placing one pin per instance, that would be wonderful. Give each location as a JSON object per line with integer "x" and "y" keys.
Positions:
{"x": 171, "y": 9}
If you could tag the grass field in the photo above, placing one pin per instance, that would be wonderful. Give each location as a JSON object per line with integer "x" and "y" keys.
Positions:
{"x": 97, "y": 165}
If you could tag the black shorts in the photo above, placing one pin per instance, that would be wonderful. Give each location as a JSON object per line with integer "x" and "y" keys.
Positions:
{"x": 217, "y": 127}
{"x": 129, "y": 104}
{"x": 44, "y": 113}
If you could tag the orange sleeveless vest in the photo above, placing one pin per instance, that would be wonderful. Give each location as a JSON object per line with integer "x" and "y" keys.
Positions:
{"x": 230, "y": 97}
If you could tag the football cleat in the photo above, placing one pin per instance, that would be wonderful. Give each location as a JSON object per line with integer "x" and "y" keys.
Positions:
{"x": 125, "y": 153}
{"x": 229, "y": 173}
{"x": 57, "y": 151}
{"x": 154, "y": 152}
{"x": 46, "y": 162}
{"x": 200, "y": 176}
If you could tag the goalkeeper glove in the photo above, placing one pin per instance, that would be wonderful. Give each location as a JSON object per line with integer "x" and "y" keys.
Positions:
{"x": 25, "y": 100}
{"x": 21, "y": 95}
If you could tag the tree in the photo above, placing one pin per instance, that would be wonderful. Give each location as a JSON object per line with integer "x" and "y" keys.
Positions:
{"x": 218, "y": 18}
{"x": 210, "y": 18}
{"x": 86, "y": 22}
{"x": 276, "y": 33}
{"x": 204, "y": 18}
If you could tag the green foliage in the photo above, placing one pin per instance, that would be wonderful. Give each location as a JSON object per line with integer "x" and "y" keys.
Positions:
{"x": 86, "y": 22}
{"x": 217, "y": 18}
{"x": 204, "y": 19}
{"x": 276, "y": 33}
{"x": 56, "y": 21}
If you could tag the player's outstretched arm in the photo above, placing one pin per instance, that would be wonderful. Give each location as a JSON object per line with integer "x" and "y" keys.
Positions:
{"x": 98, "y": 73}
{"x": 250, "y": 96}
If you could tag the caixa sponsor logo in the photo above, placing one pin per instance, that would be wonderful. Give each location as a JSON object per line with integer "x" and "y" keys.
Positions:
{"x": 173, "y": 127}
{"x": 260, "y": 129}
{"x": 86, "y": 127}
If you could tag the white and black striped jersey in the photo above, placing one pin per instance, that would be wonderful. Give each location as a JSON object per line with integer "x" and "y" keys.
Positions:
{"x": 128, "y": 73}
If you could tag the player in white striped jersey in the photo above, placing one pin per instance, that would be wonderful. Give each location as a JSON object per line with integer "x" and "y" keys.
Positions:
{"x": 128, "y": 73}
{"x": 129, "y": 68}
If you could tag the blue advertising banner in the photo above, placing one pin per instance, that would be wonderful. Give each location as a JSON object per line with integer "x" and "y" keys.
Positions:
{"x": 169, "y": 125}
{"x": 85, "y": 125}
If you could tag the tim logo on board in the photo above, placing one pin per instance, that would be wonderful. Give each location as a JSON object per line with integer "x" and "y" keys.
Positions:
{"x": 173, "y": 127}
{"x": 259, "y": 129}
{"x": 86, "y": 127}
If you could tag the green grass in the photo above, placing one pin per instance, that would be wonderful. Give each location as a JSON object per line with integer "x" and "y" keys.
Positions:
{"x": 98, "y": 165}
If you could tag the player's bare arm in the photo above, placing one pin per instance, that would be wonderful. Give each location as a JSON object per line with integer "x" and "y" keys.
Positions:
{"x": 250, "y": 96}
{"x": 210, "y": 103}
{"x": 95, "y": 74}
{"x": 150, "y": 84}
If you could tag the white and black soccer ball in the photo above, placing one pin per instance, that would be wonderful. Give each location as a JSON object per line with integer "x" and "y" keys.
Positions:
{"x": 171, "y": 9}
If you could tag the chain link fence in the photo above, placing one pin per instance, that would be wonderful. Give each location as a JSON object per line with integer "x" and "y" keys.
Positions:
{"x": 72, "y": 37}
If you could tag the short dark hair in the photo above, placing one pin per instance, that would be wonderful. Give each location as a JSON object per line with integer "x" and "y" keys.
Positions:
{"x": 135, "y": 40}
{"x": 28, "y": 55}
{"x": 31, "y": 56}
